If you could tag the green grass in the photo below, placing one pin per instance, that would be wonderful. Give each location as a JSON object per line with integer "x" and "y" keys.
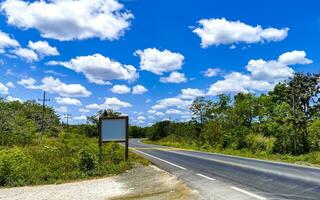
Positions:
{"x": 310, "y": 159}
{"x": 62, "y": 159}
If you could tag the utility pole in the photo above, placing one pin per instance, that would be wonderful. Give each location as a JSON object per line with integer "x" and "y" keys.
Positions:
{"x": 43, "y": 110}
{"x": 294, "y": 120}
{"x": 68, "y": 117}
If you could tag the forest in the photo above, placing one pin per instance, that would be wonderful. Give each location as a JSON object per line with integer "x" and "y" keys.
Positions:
{"x": 283, "y": 124}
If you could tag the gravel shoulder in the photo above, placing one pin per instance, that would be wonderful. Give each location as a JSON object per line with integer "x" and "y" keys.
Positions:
{"x": 142, "y": 182}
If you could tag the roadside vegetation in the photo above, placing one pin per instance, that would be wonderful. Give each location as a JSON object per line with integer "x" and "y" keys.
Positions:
{"x": 61, "y": 154}
{"x": 282, "y": 125}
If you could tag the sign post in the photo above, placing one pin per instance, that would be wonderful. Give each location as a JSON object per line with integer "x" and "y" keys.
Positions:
{"x": 114, "y": 129}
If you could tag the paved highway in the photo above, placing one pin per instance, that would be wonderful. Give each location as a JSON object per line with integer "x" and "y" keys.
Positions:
{"x": 218, "y": 176}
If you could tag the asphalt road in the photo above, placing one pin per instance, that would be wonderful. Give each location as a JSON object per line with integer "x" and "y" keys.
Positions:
{"x": 218, "y": 176}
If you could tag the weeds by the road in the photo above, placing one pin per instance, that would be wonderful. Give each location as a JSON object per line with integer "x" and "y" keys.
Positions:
{"x": 64, "y": 158}
{"x": 310, "y": 159}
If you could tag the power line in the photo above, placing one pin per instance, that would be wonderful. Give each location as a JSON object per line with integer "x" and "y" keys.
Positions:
{"x": 43, "y": 110}
{"x": 68, "y": 117}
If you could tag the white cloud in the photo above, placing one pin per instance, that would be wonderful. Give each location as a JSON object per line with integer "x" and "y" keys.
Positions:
{"x": 171, "y": 102}
{"x": 210, "y": 72}
{"x": 277, "y": 70}
{"x": 68, "y": 101}
{"x": 53, "y": 85}
{"x": 191, "y": 93}
{"x": 11, "y": 99}
{"x": 262, "y": 76}
{"x": 99, "y": 69}
{"x": 176, "y": 112}
{"x": 10, "y": 84}
{"x": 120, "y": 89}
{"x": 236, "y": 82}
{"x": 7, "y": 42}
{"x": 28, "y": 54}
{"x": 43, "y": 48}
{"x": 158, "y": 62}
{"x": 4, "y": 89}
{"x": 83, "y": 110}
{"x": 139, "y": 89}
{"x": 141, "y": 118}
{"x": 80, "y": 118}
{"x": 269, "y": 70}
{"x": 294, "y": 57}
{"x": 109, "y": 103}
{"x": 57, "y": 19}
{"x": 62, "y": 109}
{"x": 217, "y": 31}
{"x": 174, "y": 77}
{"x": 28, "y": 83}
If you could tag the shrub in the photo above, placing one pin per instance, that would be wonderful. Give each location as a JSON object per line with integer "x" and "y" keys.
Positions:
{"x": 259, "y": 143}
{"x": 87, "y": 161}
{"x": 14, "y": 167}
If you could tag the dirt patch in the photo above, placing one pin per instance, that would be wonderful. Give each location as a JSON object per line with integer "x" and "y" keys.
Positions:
{"x": 142, "y": 182}
{"x": 151, "y": 183}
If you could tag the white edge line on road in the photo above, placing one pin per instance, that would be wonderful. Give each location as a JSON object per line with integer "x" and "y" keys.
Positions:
{"x": 161, "y": 160}
{"x": 207, "y": 177}
{"x": 248, "y": 193}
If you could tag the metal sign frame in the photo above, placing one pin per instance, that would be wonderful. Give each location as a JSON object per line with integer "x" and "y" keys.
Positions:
{"x": 126, "y": 140}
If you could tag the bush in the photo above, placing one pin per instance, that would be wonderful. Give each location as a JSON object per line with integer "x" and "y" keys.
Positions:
{"x": 260, "y": 143}
{"x": 14, "y": 167}
{"x": 314, "y": 135}
{"x": 55, "y": 160}
{"x": 88, "y": 161}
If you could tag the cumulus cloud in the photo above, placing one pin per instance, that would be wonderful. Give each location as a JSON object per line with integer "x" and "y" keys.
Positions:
{"x": 109, "y": 103}
{"x": 277, "y": 70}
{"x": 4, "y": 89}
{"x": 43, "y": 48}
{"x": 11, "y": 99}
{"x": 210, "y": 72}
{"x": 141, "y": 118}
{"x": 174, "y": 77}
{"x": 191, "y": 93}
{"x": 120, "y": 89}
{"x": 53, "y": 85}
{"x": 171, "y": 102}
{"x": 269, "y": 70}
{"x": 158, "y": 62}
{"x": 236, "y": 82}
{"x": 262, "y": 76}
{"x": 139, "y": 89}
{"x": 7, "y": 42}
{"x": 83, "y": 110}
{"x": 67, "y": 101}
{"x": 62, "y": 109}
{"x": 10, "y": 84}
{"x": 294, "y": 57}
{"x": 100, "y": 69}
{"x": 27, "y": 54}
{"x": 176, "y": 112}
{"x": 217, "y": 31}
{"x": 80, "y": 118}
{"x": 28, "y": 83}
{"x": 104, "y": 19}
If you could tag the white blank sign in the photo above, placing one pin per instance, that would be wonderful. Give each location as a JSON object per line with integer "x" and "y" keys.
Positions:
{"x": 113, "y": 129}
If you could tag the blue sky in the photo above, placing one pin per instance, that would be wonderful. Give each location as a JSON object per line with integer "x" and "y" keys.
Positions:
{"x": 148, "y": 59}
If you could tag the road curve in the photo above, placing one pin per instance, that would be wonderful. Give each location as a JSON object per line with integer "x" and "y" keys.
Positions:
{"x": 219, "y": 176}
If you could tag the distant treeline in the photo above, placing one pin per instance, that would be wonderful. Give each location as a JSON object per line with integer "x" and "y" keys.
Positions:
{"x": 284, "y": 121}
